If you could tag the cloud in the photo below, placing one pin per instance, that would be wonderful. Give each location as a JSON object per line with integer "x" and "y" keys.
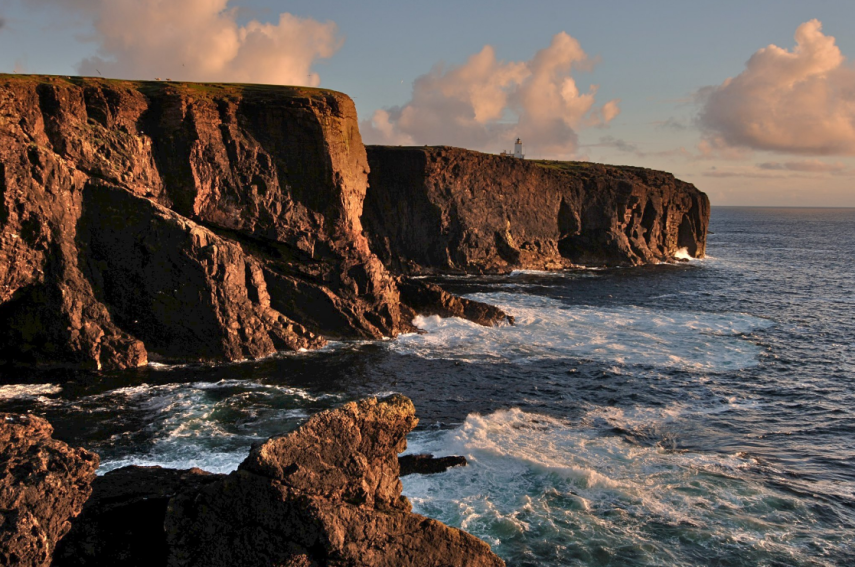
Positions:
{"x": 670, "y": 124}
{"x": 485, "y": 103}
{"x": 200, "y": 40}
{"x": 811, "y": 166}
{"x": 616, "y": 143}
{"x": 799, "y": 102}
{"x": 2, "y": 22}
{"x": 802, "y": 169}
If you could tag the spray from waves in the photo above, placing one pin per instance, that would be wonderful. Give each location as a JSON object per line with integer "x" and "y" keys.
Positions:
{"x": 544, "y": 491}
{"x": 28, "y": 391}
{"x": 202, "y": 424}
{"x": 683, "y": 254}
{"x": 550, "y": 329}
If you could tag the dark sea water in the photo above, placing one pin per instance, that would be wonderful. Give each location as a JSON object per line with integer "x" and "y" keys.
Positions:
{"x": 691, "y": 414}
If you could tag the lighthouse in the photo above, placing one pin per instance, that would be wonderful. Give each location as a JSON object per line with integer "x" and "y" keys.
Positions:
{"x": 518, "y": 149}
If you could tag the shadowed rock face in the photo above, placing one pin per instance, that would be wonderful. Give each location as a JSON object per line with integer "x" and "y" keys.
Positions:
{"x": 43, "y": 484}
{"x": 181, "y": 222}
{"x": 121, "y": 524}
{"x": 441, "y": 209}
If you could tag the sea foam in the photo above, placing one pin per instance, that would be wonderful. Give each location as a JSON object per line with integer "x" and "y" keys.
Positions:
{"x": 548, "y": 328}
{"x": 552, "y": 491}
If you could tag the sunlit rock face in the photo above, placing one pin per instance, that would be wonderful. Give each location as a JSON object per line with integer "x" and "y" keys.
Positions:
{"x": 174, "y": 221}
{"x": 43, "y": 485}
{"x": 325, "y": 494}
{"x": 441, "y": 209}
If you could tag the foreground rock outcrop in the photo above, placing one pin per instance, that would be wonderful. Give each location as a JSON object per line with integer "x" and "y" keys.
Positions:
{"x": 181, "y": 222}
{"x": 43, "y": 485}
{"x": 122, "y": 522}
{"x": 441, "y": 209}
{"x": 326, "y": 494}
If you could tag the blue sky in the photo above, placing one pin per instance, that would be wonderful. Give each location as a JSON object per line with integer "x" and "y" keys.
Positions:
{"x": 654, "y": 57}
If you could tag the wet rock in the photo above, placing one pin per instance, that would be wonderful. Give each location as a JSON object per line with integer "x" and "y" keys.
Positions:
{"x": 430, "y": 299}
{"x": 428, "y": 464}
{"x": 43, "y": 484}
{"x": 441, "y": 209}
{"x": 325, "y": 494}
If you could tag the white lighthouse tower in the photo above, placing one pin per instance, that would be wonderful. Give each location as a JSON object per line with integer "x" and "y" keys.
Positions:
{"x": 518, "y": 149}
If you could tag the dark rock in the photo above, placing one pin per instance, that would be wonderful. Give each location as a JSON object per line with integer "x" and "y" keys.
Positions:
{"x": 242, "y": 235}
{"x": 430, "y": 299}
{"x": 325, "y": 494}
{"x": 428, "y": 464}
{"x": 43, "y": 484}
{"x": 441, "y": 209}
{"x": 122, "y": 522}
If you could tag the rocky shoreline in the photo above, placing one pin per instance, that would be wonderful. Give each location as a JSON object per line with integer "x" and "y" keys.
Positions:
{"x": 327, "y": 493}
{"x": 179, "y": 222}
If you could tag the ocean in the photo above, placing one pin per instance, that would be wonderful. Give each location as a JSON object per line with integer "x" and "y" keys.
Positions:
{"x": 698, "y": 413}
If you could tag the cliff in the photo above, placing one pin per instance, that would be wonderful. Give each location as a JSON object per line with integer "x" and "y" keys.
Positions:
{"x": 181, "y": 222}
{"x": 327, "y": 493}
{"x": 442, "y": 209}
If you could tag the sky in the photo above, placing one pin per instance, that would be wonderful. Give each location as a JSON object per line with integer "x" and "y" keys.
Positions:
{"x": 754, "y": 102}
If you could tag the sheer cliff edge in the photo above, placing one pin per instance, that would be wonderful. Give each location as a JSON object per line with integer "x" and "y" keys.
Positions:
{"x": 445, "y": 210}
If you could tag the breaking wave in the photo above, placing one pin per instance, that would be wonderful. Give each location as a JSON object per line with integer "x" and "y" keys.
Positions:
{"x": 568, "y": 492}
{"x": 548, "y": 328}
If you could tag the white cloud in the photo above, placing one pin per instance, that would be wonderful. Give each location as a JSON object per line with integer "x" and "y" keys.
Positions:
{"x": 200, "y": 40}
{"x": 485, "y": 103}
{"x": 799, "y": 102}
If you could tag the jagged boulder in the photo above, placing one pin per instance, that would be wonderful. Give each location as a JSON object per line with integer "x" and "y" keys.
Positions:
{"x": 429, "y": 299}
{"x": 43, "y": 484}
{"x": 325, "y": 494}
{"x": 426, "y": 463}
{"x": 121, "y": 524}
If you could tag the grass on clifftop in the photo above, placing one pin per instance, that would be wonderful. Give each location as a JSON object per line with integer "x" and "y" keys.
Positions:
{"x": 154, "y": 87}
{"x": 562, "y": 165}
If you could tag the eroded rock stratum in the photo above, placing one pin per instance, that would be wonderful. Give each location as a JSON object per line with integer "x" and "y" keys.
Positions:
{"x": 442, "y": 209}
{"x": 172, "y": 221}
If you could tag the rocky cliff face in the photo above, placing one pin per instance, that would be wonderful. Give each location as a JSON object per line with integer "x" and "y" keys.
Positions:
{"x": 178, "y": 221}
{"x": 441, "y": 209}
